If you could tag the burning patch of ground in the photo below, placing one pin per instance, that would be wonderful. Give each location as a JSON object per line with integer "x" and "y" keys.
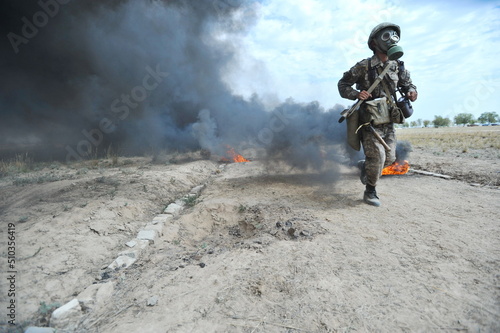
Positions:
{"x": 396, "y": 168}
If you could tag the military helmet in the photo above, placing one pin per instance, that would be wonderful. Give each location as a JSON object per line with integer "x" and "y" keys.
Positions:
{"x": 379, "y": 28}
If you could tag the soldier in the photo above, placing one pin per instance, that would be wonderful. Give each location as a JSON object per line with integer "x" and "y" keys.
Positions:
{"x": 379, "y": 108}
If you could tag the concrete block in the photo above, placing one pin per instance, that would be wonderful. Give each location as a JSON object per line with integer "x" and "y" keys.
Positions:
{"x": 162, "y": 218}
{"x": 132, "y": 243}
{"x": 152, "y": 301}
{"x": 134, "y": 254}
{"x": 197, "y": 190}
{"x": 156, "y": 227}
{"x": 180, "y": 202}
{"x": 122, "y": 262}
{"x": 173, "y": 209}
{"x": 149, "y": 235}
{"x": 67, "y": 316}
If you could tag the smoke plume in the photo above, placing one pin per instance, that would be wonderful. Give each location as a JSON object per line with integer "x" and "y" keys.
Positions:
{"x": 403, "y": 149}
{"x": 80, "y": 77}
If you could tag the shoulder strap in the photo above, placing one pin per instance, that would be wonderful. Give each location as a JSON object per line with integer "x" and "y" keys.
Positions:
{"x": 391, "y": 95}
{"x": 372, "y": 74}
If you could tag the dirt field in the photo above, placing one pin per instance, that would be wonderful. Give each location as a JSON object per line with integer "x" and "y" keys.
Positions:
{"x": 261, "y": 249}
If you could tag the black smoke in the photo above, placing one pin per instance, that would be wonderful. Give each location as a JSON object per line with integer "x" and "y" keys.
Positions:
{"x": 79, "y": 77}
{"x": 403, "y": 149}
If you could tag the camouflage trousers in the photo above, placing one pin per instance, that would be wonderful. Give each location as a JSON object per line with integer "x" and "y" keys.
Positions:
{"x": 377, "y": 157}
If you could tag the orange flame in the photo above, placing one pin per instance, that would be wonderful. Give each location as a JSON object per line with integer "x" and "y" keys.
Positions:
{"x": 234, "y": 157}
{"x": 396, "y": 168}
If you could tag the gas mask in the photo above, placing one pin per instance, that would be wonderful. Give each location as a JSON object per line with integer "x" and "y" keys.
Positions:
{"x": 386, "y": 41}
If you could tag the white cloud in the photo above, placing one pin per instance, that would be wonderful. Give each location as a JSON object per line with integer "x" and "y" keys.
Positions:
{"x": 451, "y": 49}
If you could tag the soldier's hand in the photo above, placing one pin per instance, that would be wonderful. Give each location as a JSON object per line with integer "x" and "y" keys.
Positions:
{"x": 364, "y": 95}
{"x": 412, "y": 96}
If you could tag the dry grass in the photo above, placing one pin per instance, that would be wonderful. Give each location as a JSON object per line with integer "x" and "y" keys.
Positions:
{"x": 453, "y": 138}
{"x": 19, "y": 164}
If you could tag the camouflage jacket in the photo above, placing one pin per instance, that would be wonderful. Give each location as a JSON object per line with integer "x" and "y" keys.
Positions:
{"x": 359, "y": 75}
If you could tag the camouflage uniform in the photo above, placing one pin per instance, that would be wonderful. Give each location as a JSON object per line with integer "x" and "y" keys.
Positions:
{"x": 376, "y": 157}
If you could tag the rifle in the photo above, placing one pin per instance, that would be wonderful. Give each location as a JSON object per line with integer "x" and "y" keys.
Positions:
{"x": 348, "y": 112}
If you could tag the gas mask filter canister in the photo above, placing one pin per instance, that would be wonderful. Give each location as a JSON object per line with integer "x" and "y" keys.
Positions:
{"x": 386, "y": 41}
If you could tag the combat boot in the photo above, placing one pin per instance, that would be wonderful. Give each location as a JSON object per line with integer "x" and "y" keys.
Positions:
{"x": 370, "y": 196}
{"x": 362, "y": 176}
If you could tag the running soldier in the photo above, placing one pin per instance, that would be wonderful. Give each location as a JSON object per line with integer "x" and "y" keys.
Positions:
{"x": 379, "y": 111}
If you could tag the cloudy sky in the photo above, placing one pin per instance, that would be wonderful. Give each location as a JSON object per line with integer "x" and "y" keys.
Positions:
{"x": 300, "y": 49}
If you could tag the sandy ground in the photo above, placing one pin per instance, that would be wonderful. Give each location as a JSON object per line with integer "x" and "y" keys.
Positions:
{"x": 262, "y": 249}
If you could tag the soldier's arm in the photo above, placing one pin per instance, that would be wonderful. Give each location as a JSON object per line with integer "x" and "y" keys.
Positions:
{"x": 348, "y": 79}
{"x": 407, "y": 85}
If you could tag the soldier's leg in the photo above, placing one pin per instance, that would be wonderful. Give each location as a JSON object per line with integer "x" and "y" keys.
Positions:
{"x": 390, "y": 139}
{"x": 375, "y": 156}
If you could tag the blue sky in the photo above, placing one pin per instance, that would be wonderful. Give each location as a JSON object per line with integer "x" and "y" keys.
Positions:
{"x": 300, "y": 49}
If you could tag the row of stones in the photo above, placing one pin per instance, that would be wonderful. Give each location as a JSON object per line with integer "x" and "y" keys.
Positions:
{"x": 66, "y": 317}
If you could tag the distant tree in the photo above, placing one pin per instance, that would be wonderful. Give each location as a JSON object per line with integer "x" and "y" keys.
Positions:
{"x": 488, "y": 117}
{"x": 464, "y": 119}
{"x": 427, "y": 123}
{"x": 419, "y": 122}
{"x": 413, "y": 124}
{"x": 441, "y": 122}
